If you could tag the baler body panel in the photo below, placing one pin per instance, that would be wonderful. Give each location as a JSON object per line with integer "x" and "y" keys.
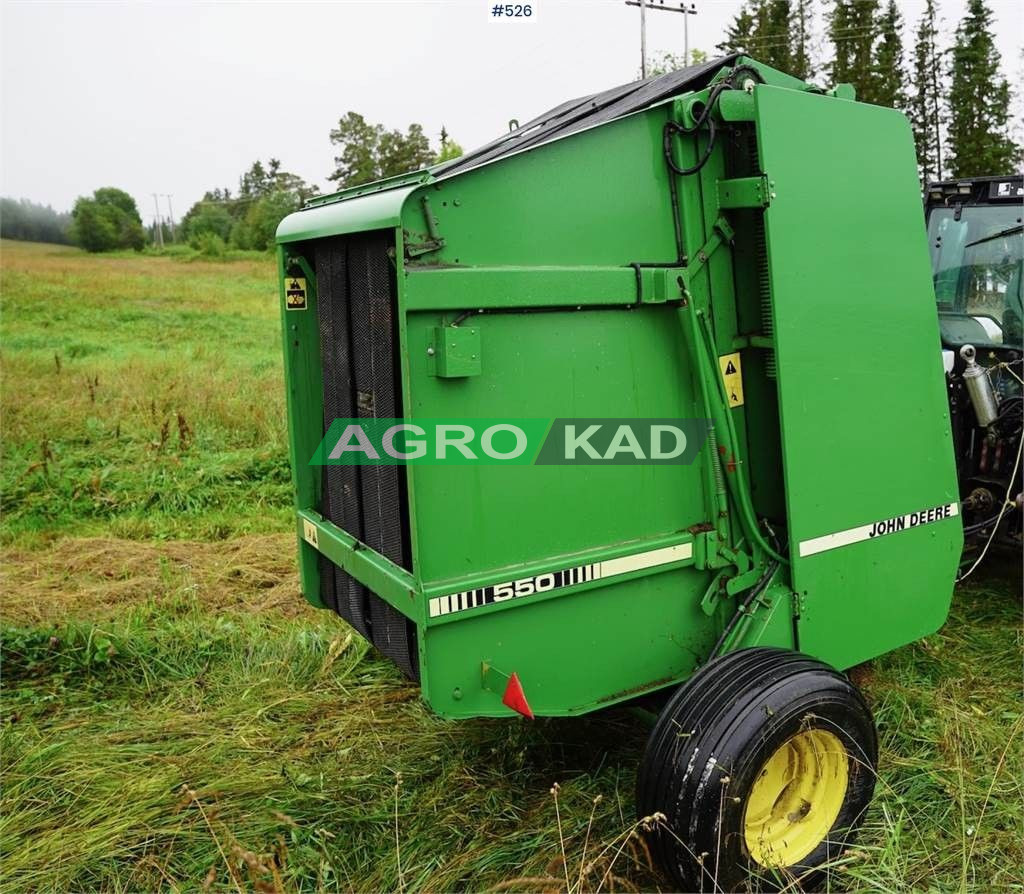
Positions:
{"x": 370, "y": 211}
{"x": 570, "y": 364}
{"x": 864, "y": 413}
{"x": 596, "y": 198}
{"x": 594, "y": 288}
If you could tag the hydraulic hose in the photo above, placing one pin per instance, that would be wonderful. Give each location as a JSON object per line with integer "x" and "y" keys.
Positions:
{"x": 748, "y": 517}
{"x": 721, "y": 507}
{"x": 743, "y": 608}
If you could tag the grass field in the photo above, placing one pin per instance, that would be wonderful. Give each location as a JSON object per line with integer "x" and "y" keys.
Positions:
{"x": 174, "y": 717}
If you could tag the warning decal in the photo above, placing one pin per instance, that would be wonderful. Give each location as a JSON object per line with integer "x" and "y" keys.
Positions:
{"x": 732, "y": 375}
{"x": 309, "y": 533}
{"x": 295, "y": 292}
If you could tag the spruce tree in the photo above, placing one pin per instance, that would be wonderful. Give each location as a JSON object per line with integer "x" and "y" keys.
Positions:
{"x": 775, "y": 32}
{"x": 852, "y": 29}
{"x": 924, "y": 105}
{"x": 801, "y": 29}
{"x": 739, "y": 32}
{"x": 979, "y": 100}
{"x": 890, "y": 73}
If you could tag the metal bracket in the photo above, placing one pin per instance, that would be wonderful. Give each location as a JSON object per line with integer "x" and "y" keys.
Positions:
{"x": 711, "y": 553}
{"x": 656, "y": 285}
{"x": 455, "y": 351}
{"x": 745, "y": 192}
{"x": 492, "y": 679}
{"x": 713, "y": 594}
{"x": 304, "y": 265}
{"x": 434, "y": 242}
{"x": 721, "y": 233}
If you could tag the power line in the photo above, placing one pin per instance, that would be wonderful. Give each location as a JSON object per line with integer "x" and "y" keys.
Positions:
{"x": 756, "y": 43}
{"x": 782, "y": 37}
{"x": 660, "y": 6}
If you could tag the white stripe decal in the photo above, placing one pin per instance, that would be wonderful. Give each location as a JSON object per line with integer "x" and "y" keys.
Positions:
{"x": 625, "y": 564}
{"x": 566, "y": 577}
{"x": 878, "y": 529}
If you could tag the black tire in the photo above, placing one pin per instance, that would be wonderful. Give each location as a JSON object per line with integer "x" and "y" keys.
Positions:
{"x": 707, "y": 762}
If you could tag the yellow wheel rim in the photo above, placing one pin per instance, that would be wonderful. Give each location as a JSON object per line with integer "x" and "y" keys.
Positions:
{"x": 796, "y": 798}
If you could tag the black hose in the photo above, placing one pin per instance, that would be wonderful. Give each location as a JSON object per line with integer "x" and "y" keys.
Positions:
{"x": 980, "y": 526}
{"x": 741, "y": 610}
{"x": 674, "y": 127}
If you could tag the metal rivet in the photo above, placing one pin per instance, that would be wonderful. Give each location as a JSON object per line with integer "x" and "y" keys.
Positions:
{"x": 430, "y": 352}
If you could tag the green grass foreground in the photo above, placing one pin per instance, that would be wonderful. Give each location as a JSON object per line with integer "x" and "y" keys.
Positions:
{"x": 174, "y": 717}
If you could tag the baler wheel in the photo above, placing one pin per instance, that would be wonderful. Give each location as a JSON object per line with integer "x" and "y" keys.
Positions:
{"x": 761, "y": 767}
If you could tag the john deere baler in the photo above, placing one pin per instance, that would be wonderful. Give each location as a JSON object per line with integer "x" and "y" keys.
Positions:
{"x": 725, "y": 247}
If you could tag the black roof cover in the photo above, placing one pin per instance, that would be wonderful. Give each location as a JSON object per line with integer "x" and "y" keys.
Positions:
{"x": 577, "y": 114}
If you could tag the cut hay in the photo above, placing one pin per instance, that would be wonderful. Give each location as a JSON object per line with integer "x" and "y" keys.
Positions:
{"x": 93, "y": 578}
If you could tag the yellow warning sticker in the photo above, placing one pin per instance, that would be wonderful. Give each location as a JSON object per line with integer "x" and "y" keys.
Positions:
{"x": 309, "y": 533}
{"x": 295, "y": 292}
{"x": 732, "y": 375}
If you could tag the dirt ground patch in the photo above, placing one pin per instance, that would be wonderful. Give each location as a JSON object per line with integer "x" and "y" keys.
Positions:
{"x": 93, "y": 577}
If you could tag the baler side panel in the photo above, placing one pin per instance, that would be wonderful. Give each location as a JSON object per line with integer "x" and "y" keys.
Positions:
{"x": 590, "y": 363}
{"x": 304, "y": 401}
{"x": 573, "y": 653}
{"x": 514, "y": 234}
{"x": 863, "y": 409}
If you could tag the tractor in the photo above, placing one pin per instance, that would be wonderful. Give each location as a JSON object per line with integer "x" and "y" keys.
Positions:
{"x": 976, "y": 240}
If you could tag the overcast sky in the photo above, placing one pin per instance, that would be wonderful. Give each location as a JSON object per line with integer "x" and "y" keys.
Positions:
{"x": 181, "y": 97}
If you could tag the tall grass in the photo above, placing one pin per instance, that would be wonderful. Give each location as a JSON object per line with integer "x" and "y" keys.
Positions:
{"x": 175, "y": 737}
{"x": 142, "y": 396}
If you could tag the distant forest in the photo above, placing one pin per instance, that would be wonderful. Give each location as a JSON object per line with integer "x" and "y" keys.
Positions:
{"x": 22, "y": 219}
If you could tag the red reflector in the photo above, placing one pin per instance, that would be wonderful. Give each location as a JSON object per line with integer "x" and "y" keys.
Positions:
{"x": 515, "y": 698}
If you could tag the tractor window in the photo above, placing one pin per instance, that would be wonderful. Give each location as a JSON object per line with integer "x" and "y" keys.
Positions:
{"x": 976, "y": 263}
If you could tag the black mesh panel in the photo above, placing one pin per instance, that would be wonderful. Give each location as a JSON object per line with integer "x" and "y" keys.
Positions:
{"x": 342, "y": 592}
{"x": 357, "y": 308}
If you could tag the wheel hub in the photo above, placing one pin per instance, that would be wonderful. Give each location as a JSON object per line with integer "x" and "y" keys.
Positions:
{"x": 796, "y": 798}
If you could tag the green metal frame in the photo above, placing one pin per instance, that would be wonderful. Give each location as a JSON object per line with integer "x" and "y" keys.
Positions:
{"x": 583, "y": 231}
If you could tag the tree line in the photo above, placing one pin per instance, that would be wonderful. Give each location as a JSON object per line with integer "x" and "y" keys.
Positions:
{"x": 956, "y": 97}
{"x": 266, "y": 194}
{"x": 22, "y": 219}
{"x": 223, "y": 219}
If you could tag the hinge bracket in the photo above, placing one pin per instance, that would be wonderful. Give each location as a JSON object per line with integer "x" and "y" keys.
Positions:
{"x": 434, "y": 240}
{"x": 745, "y": 192}
{"x": 721, "y": 233}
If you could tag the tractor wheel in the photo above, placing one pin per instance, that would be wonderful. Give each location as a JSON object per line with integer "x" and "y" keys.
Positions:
{"x": 761, "y": 767}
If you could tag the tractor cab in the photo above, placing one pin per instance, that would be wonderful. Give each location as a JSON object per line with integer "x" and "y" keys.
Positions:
{"x": 976, "y": 241}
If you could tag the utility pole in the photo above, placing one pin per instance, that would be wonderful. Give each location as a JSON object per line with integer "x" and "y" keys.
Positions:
{"x": 170, "y": 214}
{"x": 158, "y": 238}
{"x": 643, "y": 39}
{"x": 686, "y": 9}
